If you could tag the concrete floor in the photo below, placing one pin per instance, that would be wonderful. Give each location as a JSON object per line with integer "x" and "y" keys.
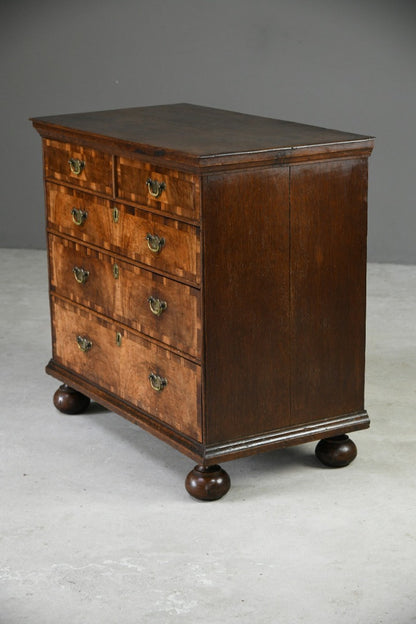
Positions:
{"x": 96, "y": 526}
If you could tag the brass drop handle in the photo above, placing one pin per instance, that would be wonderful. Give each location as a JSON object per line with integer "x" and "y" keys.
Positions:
{"x": 79, "y": 216}
{"x": 80, "y": 274}
{"x": 154, "y": 243}
{"x": 157, "y": 306}
{"x": 84, "y": 344}
{"x": 157, "y": 382}
{"x": 76, "y": 165}
{"x": 155, "y": 187}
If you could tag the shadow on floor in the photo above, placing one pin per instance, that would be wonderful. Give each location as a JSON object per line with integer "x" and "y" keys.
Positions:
{"x": 147, "y": 445}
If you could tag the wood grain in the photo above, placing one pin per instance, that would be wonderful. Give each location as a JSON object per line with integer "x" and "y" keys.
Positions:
{"x": 181, "y": 194}
{"x": 126, "y": 298}
{"x": 328, "y": 286}
{"x": 180, "y": 256}
{"x": 97, "y": 174}
{"x": 246, "y": 302}
{"x": 124, "y": 370}
{"x": 201, "y": 137}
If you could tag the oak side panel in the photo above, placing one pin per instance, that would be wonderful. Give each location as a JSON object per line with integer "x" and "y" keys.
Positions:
{"x": 246, "y": 302}
{"x": 328, "y": 288}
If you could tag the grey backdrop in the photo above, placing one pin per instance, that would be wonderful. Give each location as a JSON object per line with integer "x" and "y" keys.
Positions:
{"x": 345, "y": 64}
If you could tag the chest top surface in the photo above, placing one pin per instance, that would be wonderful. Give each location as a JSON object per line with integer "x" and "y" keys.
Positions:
{"x": 203, "y": 136}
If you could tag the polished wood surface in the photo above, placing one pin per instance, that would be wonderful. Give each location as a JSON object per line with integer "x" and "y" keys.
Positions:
{"x": 203, "y": 136}
{"x": 69, "y": 401}
{"x": 124, "y": 370}
{"x": 336, "y": 452}
{"x": 97, "y": 174}
{"x": 207, "y": 483}
{"x": 126, "y": 298}
{"x": 180, "y": 195}
{"x": 246, "y": 303}
{"x": 179, "y": 257}
{"x": 328, "y": 286}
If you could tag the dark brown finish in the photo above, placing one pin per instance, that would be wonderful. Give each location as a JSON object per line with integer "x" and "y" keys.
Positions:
{"x": 69, "y": 401}
{"x": 207, "y": 483}
{"x": 246, "y": 237}
{"x": 336, "y": 452}
{"x": 246, "y": 303}
{"x": 328, "y": 276}
{"x": 203, "y": 137}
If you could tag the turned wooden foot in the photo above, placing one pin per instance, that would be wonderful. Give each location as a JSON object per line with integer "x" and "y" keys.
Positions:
{"x": 336, "y": 452}
{"x": 207, "y": 483}
{"x": 70, "y": 401}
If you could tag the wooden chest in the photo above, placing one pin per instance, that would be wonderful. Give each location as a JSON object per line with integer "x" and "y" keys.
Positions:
{"x": 207, "y": 278}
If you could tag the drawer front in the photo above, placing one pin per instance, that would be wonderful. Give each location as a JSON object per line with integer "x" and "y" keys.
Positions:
{"x": 122, "y": 291}
{"x": 132, "y": 232}
{"x": 124, "y": 368}
{"x": 169, "y": 191}
{"x": 74, "y": 164}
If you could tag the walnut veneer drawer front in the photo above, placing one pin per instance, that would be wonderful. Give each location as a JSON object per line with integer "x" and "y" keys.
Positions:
{"x": 163, "y": 189}
{"x": 152, "y": 304}
{"x": 158, "y": 242}
{"x": 82, "y": 166}
{"x": 128, "y": 365}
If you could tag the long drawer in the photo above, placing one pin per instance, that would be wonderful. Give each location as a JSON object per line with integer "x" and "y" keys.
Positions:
{"x": 162, "y": 384}
{"x": 158, "y": 242}
{"x": 149, "y": 303}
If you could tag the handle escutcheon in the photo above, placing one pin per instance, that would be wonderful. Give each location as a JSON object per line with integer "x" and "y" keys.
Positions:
{"x": 79, "y": 216}
{"x": 157, "y": 306}
{"x": 84, "y": 344}
{"x": 155, "y": 243}
{"x": 76, "y": 165}
{"x": 81, "y": 275}
{"x": 157, "y": 382}
{"x": 155, "y": 187}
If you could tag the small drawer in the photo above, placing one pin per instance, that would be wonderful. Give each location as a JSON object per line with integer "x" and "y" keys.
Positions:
{"x": 158, "y": 242}
{"x": 162, "y": 189}
{"x": 82, "y": 166}
{"x": 151, "y": 304}
{"x": 160, "y": 383}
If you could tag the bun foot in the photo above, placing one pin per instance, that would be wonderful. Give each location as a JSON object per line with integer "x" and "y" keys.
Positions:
{"x": 336, "y": 452}
{"x": 70, "y": 401}
{"x": 207, "y": 482}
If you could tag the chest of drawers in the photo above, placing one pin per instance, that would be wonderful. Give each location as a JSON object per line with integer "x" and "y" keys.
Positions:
{"x": 207, "y": 279}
